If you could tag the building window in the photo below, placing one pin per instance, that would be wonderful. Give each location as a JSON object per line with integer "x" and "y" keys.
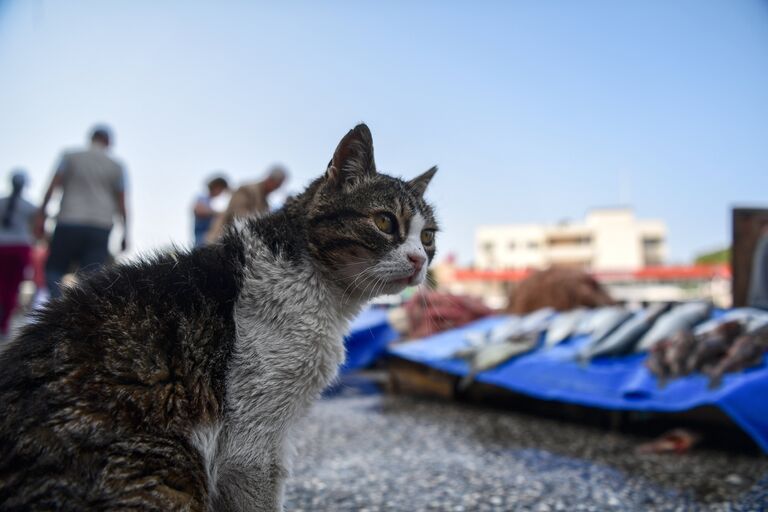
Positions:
{"x": 573, "y": 240}
{"x": 511, "y": 246}
{"x": 651, "y": 244}
{"x": 533, "y": 244}
{"x": 652, "y": 251}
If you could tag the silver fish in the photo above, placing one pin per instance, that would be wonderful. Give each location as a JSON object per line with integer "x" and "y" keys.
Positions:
{"x": 624, "y": 338}
{"x": 478, "y": 339}
{"x": 513, "y": 327}
{"x": 495, "y": 354}
{"x": 563, "y": 326}
{"x": 606, "y": 320}
{"x": 586, "y": 322}
{"x": 679, "y": 318}
{"x": 537, "y": 321}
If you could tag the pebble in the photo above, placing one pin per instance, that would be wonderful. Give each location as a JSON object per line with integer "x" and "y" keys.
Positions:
{"x": 396, "y": 453}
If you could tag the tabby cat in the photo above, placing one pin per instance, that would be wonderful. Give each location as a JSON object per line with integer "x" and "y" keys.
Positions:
{"x": 172, "y": 383}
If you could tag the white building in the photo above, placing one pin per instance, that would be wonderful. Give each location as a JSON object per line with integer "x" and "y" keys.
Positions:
{"x": 609, "y": 239}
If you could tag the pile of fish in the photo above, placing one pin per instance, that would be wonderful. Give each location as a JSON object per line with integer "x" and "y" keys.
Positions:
{"x": 622, "y": 332}
{"x": 518, "y": 335}
{"x": 731, "y": 343}
{"x": 680, "y": 338}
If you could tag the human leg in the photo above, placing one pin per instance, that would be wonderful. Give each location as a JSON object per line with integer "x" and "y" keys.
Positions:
{"x": 62, "y": 252}
{"x": 95, "y": 249}
{"x": 13, "y": 262}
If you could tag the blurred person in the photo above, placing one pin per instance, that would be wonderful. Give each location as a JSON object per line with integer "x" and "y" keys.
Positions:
{"x": 16, "y": 219}
{"x": 92, "y": 185}
{"x": 206, "y": 208}
{"x": 249, "y": 199}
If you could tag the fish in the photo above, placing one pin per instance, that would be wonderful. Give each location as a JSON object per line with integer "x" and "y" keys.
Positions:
{"x": 537, "y": 321}
{"x": 668, "y": 358}
{"x": 464, "y": 352}
{"x": 623, "y": 339}
{"x": 475, "y": 340}
{"x": 606, "y": 320}
{"x": 563, "y": 326}
{"x": 495, "y": 354}
{"x": 751, "y": 318}
{"x": 679, "y": 349}
{"x": 684, "y": 316}
{"x": 586, "y": 322}
{"x": 745, "y": 352}
{"x": 712, "y": 345}
{"x": 656, "y": 362}
{"x": 513, "y": 328}
{"x": 679, "y": 440}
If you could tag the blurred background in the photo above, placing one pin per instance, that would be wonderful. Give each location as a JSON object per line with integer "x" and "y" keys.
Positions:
{"x": 609, "y": 138}
{"x": 535, "y": 112}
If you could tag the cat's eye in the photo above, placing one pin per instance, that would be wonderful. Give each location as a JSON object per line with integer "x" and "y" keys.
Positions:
{"x": 385, "y": 222}
{"x": 427, "y": 236}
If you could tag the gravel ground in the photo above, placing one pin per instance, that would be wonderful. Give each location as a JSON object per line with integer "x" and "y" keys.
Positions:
{"x": 368, "y": 452}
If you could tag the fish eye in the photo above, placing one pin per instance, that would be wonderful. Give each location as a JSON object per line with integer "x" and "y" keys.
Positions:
{"x": 385, "y": 222}
{"x": 427, "y": 237}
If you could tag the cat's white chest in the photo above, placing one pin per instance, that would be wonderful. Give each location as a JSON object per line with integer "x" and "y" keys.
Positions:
{"x": 288, "y": 347}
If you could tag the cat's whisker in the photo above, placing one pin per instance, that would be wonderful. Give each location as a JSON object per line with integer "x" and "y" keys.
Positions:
{"x": 367, "y": 285}
{"x": 380, "y": 288}
{"x": 363, "y": 274}
{"x": 427, "y": 314}
{"x": 430, "y": 309}
{"x": 374, "y": 284}
{"x": 344, "y": 297}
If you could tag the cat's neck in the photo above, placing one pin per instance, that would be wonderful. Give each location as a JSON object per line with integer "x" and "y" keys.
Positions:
{"x": 290, "y": 321}
{"x": 277, "y": 259}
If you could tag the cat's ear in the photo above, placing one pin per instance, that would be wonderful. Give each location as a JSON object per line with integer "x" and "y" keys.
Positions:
{"x": 353, "y": 159}
{"x": 419, "y": 184}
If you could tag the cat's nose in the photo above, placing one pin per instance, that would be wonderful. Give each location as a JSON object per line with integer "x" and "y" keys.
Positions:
{"x": 417, "y": 260}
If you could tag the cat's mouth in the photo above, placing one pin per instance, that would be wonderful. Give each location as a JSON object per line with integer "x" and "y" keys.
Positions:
{"x": 409, "y": 280}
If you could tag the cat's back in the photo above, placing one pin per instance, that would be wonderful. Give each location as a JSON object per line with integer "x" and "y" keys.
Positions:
{"x": 104, "y": 383}
{"x": 115, "y": 319}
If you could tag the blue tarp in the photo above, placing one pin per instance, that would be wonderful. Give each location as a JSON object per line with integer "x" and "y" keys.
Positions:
{"x": 367, "y": 340}
{"x": 619, "y": 383}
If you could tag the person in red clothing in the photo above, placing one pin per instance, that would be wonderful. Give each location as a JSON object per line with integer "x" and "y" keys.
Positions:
{"x": 16, "y": 219}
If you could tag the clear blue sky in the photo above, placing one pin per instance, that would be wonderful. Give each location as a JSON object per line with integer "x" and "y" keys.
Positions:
{"x": 535, "y": 111}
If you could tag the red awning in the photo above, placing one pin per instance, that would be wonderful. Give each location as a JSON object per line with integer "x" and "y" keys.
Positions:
{"x": 661, "y": 273}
